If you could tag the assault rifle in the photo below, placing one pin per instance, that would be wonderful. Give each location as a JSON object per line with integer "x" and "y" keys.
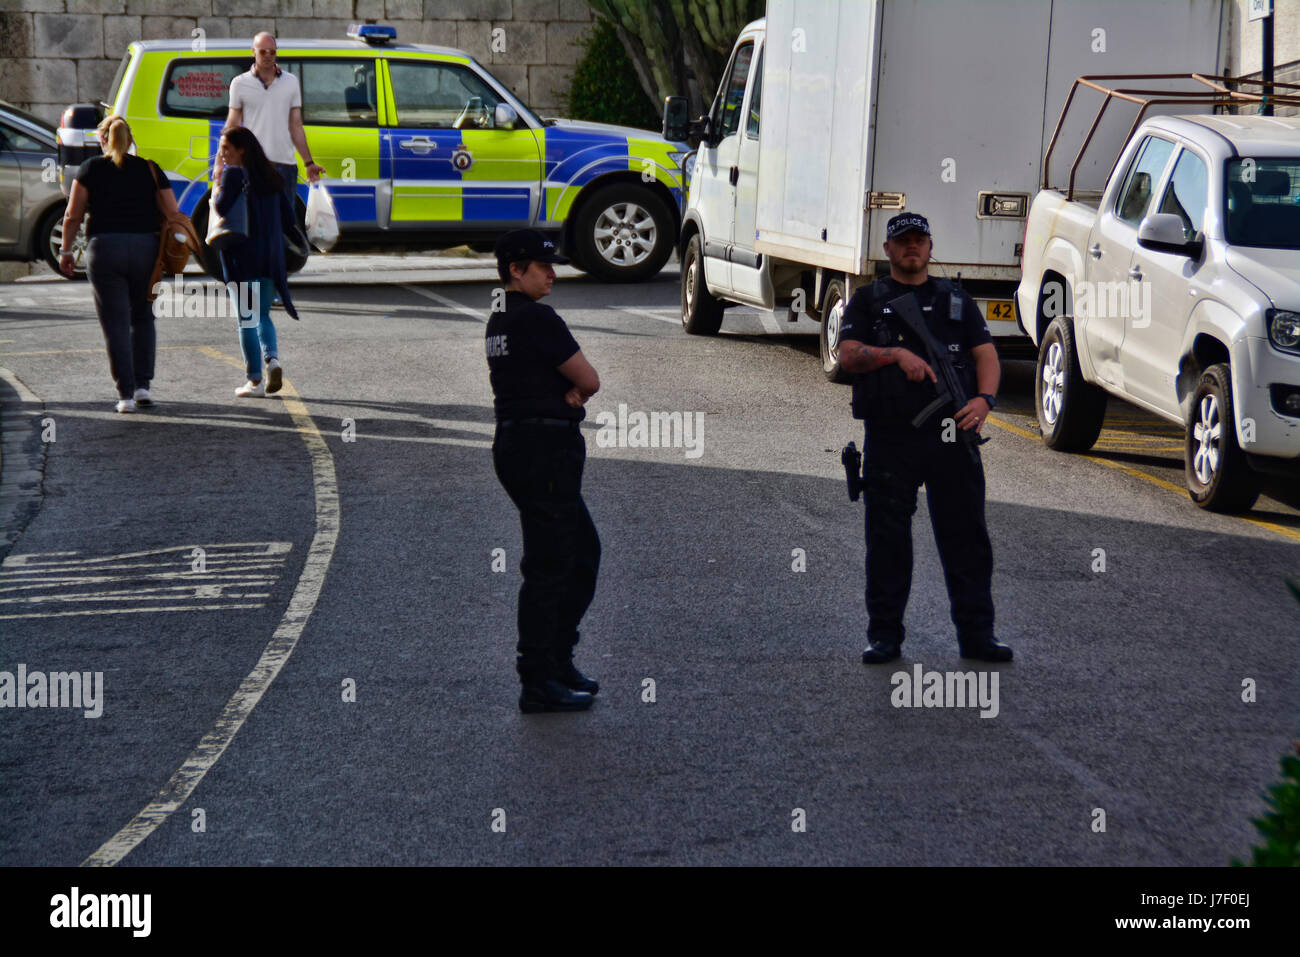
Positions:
{"x": 949, "y": 384}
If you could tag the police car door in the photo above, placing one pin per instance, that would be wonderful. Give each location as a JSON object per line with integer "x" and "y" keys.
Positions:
{"x": 451, "y": 166}
{"x": 341, "y": 116}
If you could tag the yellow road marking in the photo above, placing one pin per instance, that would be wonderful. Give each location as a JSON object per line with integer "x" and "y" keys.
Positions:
{"x": 1290, "y": 533}
{"x": 181, "y": 785}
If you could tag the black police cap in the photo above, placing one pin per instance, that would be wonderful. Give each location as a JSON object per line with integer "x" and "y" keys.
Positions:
{"x": 526, "y": 245}
{"x": 906, "y": 223}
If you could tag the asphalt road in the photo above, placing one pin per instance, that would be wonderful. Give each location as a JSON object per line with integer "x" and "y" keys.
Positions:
{"x": 349, "y": 532}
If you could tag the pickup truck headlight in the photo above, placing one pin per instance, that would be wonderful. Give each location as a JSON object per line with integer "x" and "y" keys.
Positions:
{"x": 1284, "y": 329}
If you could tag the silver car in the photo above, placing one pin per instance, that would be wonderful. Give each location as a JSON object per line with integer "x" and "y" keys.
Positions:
{"x": 31, "y": 204}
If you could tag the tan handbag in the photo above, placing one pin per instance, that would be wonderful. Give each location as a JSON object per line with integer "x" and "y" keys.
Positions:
{"x": 173, "y": 253}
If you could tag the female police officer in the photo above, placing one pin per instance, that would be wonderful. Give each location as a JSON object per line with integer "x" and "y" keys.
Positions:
{"x": 540, "y": 382}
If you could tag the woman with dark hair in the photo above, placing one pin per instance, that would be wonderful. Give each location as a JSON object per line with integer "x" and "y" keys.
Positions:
{"x": 258, "y": 259}
{"x": 123, "y": 194}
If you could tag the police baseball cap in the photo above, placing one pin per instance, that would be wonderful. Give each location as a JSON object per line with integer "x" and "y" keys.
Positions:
{"x": 906, "y": 223}
{"x": 526, "y": 245}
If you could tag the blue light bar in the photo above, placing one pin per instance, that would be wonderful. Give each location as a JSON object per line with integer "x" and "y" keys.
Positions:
{"x": 372, "y": 32}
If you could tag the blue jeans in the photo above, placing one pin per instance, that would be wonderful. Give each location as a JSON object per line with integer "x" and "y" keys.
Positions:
{"x": 256, "y": 331}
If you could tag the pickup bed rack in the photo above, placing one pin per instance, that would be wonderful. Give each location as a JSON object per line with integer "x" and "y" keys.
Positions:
{"x": 1218, "y": 93}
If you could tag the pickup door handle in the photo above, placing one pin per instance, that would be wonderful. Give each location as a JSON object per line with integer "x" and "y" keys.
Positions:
{"x": 418, "y": 144}
{"x": 1135, "y": 273}
{"x": 1095, "y": 250}
{"x": 735, "y": 175}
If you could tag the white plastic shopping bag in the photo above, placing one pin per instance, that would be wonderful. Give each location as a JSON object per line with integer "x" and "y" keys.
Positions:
{"x": 322, "y": 219}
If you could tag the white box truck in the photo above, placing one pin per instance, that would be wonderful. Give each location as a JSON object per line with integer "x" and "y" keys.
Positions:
{"x": 834, "y": 115}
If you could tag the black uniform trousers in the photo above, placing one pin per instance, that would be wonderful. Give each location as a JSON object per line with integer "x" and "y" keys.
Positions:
{"x": 897, "y": 459}
{"x": 540, "y": 467}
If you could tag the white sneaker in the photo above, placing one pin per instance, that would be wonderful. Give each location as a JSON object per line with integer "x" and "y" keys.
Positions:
{"x": 250, "y": 390}
{"x": 274, "y": 376}
{"x": 143, "y": 399}
{"x": 126, "y": 405}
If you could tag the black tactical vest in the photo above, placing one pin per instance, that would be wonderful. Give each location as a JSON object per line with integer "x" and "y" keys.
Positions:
{"x": 886, "y": 396}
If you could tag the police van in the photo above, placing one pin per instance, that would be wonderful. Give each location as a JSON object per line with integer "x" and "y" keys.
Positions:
{"x": 422, "y": 148}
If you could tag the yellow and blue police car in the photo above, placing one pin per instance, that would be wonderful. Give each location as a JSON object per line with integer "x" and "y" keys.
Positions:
{"x": 422, "y": 148}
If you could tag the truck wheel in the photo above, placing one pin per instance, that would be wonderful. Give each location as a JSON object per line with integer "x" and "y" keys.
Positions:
{"x": 701, "y": 313}
{"x": 49, "y": 241}
{"x": 829, "y": 336}
{"x": 1070, "y": 410}
{"x": 624, "y": 233}
{"x": 1218, "y": 477}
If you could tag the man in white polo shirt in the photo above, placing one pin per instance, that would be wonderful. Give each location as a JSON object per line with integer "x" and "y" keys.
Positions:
{"x": 268, "y": 101}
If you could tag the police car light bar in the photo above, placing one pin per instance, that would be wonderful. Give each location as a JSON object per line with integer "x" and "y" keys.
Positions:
{"x": 373, "y": 33}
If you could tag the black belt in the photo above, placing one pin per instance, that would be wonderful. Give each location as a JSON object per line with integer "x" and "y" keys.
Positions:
{"x": 567, "y": 423}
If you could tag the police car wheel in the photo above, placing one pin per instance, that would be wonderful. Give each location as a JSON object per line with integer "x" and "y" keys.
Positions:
{"x": 829, "y": 335}
{"x": 1219, "y": 479}
{"x": 624, "y": 233}
{"x": 1070, "y": 409}
{"x": 49, "y": 241}
{"x": 701, "y": 313}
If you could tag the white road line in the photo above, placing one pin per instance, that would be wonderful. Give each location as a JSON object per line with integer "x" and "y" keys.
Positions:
{"x": 675, "y": 319}
{"x": 102, "y": 857}
{"x": 24, "y": 393}
{"x": 480, "y": 315}
{"x": 224, "y": 550}
{"x": 241, "y": 704}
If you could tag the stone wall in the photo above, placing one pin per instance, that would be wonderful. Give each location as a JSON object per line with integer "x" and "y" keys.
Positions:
{"x": 1245, "y": 44}
{"x": 57, "y": 52}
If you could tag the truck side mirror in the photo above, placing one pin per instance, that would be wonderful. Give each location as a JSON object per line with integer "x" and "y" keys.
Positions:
{"x": 1164, "y": 232}
{"x": 676, "y": 120}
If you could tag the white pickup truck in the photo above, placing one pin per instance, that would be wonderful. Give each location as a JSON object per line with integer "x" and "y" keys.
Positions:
{"x": 1178, "y": 290}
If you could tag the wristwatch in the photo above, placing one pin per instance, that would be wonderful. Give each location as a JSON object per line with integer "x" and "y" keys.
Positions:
{"x": 991, "y": 400}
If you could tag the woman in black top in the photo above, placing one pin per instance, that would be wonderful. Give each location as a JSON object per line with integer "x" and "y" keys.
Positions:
{"x": 122, "y": 195}
{"x": 258, "y": 260}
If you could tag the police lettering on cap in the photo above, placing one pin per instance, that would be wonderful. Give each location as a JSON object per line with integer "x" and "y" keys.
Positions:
{"x": 906, "y": 223}
{"x": 526, "y": 245}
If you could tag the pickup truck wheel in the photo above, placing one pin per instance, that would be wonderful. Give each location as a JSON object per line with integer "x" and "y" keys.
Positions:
{"x": 701, "y": 313}
{"x": 829, "y": 335}
{"x": 1070, "y": 410}
{"x": 624, "y": 233}
{"x": 1218, "y": 477}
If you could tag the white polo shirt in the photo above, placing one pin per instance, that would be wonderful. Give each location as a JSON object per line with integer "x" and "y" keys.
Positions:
{"x": 266, "y": 111}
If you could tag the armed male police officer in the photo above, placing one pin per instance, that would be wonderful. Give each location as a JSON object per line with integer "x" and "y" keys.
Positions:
{"x": 540, "y": 382}
{"x": 918, "y": 432}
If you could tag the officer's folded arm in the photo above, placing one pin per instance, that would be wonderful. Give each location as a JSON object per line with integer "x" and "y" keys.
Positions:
{"x": 579, "y": 371}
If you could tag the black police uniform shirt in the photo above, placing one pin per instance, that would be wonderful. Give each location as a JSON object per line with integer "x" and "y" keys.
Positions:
{"x": 953, "y": 319}
{"x": 524, "y": 344}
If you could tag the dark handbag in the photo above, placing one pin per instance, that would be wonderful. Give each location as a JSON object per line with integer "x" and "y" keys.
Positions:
{"x": 232, "y": 228}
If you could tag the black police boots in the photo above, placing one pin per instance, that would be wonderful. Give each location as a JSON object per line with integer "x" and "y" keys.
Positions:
{"x": 990, "y": 649}
{"x": 568, "y": 675}
{"x": 550, "y": 695}
{"x": 879, "y": 652}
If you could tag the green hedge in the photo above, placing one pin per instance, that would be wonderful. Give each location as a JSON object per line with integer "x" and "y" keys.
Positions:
{"x": 604, "y": 87}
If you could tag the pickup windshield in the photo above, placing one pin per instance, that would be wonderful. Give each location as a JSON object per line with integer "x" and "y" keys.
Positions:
{"x": 1263, "y": 199}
